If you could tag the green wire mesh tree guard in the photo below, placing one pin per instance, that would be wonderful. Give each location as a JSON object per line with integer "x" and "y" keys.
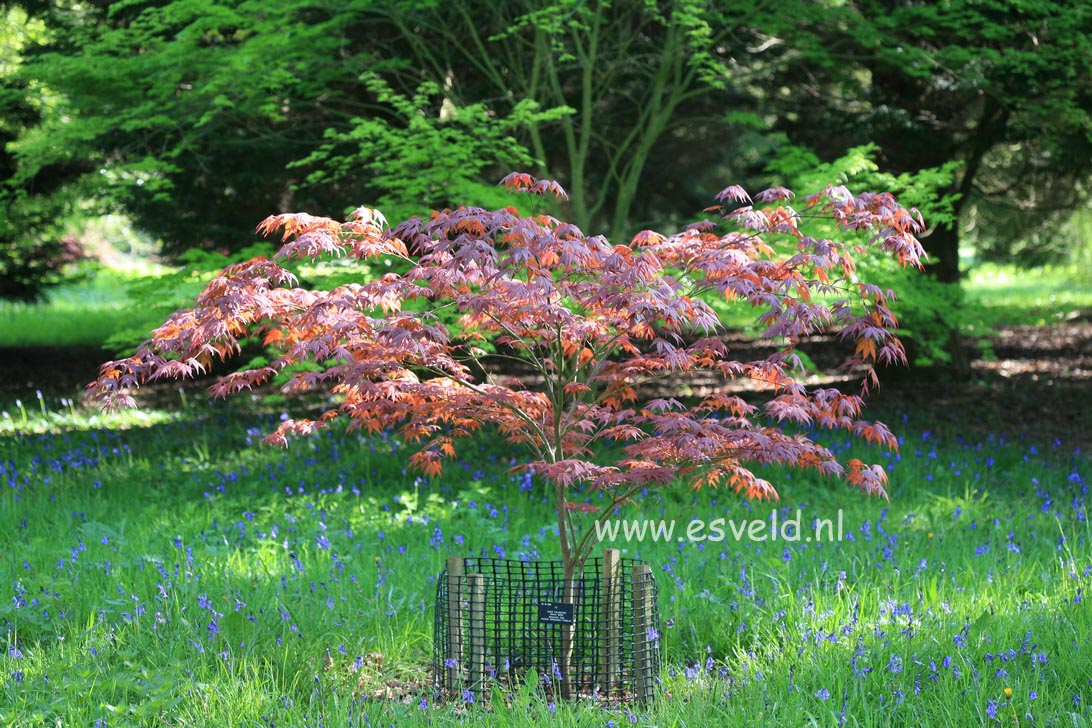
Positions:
{"x": 499, "y": 619}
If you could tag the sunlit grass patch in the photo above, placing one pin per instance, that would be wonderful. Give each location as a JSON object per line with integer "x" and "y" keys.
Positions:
{"x": 1004, "y": 294}
{"x": 83, "y": 313}
{"x": 41, "y": 414}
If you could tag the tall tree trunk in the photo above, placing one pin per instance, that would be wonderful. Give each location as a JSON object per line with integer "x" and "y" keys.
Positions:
{"x": 942, "y": 245}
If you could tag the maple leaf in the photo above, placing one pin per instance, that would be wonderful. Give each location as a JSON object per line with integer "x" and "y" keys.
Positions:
{"x": 544, "y": 185}
{"x": 646, "y": 238}
{"x": 518, "y": 181}
{"x": 733, "y": 192}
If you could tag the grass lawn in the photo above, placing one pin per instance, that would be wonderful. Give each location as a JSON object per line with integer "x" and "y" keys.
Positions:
{"x": 77, "y": 315}
{"x": 1035, "y": 297}
{"x": 166, "y": 570}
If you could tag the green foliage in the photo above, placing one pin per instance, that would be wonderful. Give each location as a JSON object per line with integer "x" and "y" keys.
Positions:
{"x": 423, "y": 162}
{"x": 197, "y": 133}
{"x": 30, "y": 263}
{"x": 1004, "y": 89}
{"x": 193, "y": 115}
{"x": 197, "y": 116}
{"x": 33, "y": 252}
{"x": 188, "y": 133}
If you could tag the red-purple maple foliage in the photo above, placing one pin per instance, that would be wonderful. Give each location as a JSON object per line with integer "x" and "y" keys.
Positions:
{"x": 594, "y": 322}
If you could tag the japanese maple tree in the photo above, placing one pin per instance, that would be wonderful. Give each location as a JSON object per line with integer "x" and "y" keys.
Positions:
{"x": 593, "y": 321}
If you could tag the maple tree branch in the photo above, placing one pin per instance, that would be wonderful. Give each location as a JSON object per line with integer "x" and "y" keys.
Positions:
{"x": 520, "y": 413}
{"x": 537, "y": 363}
{"x": 557, "y": 393}
{"x": 584, "y": 545}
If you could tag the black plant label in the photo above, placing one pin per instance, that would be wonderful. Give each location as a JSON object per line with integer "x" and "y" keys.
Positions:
{"x": 556, "y": 613}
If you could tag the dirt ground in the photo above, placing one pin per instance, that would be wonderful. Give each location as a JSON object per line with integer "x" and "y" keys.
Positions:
{"x": 1037, "y": 382}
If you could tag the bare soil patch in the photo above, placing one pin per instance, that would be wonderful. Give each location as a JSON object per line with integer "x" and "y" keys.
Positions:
{"x": 1036, "y": 383}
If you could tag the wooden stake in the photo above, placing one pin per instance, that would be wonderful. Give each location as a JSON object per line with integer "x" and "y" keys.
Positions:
{"x": 454, "y": 649}
{"x": 609, "y": 632}
{"x": 643, "y": 678}
{"x": 476, "y": 584}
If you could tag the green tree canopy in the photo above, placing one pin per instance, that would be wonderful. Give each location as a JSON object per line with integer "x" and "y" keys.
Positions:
{"x": 1003, "y": 87}
{"x": 195, "y": 115}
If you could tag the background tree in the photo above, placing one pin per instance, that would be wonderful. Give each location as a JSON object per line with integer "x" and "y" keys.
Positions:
{"x": 188, "y": 114}
{"x": 422, "y": 162}
{"x": 34, "y": 251}
{"x": 1003, "y": 88}
{"x": 635, "y": 74}
{"x": 190, "y": 111}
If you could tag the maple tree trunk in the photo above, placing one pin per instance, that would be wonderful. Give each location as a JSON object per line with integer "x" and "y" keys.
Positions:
{"x": 568, "y": 634}
{"x": 568, "y": 569}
